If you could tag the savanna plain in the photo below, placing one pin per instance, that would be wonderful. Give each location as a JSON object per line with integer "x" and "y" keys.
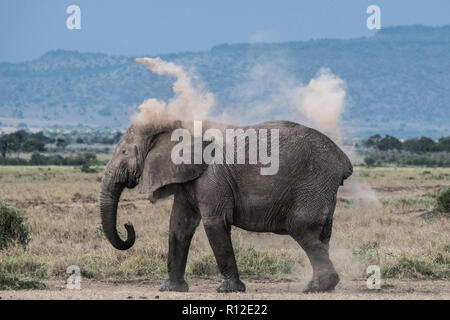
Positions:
{"x": 385, "y": 216}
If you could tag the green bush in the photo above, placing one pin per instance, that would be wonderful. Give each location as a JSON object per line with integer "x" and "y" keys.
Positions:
{"x": 13, "y": 162}
{"x": 87, "y": 169}
{"x": 262, "y": 263}
{"x": 39, "y": 160}
{"x": 419, "y": 267}
{"x": 369, "y": 161}
{"x": 251, "y": 262}
{"x": 206, "y": 266}
{"x": 121, "y": 268}
{"x": 24, "y": 264}
{"x": 12, "y": 228}
{"x": 443, "y": 201}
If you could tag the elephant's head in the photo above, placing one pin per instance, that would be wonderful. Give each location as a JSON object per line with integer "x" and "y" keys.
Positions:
{"x": 142, "y": 157}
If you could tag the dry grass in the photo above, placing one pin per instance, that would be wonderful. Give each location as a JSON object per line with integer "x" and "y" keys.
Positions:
{"x": 61, "y": 207}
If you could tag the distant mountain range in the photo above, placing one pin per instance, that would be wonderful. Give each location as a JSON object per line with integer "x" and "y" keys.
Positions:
{"x": 398, "y": 81}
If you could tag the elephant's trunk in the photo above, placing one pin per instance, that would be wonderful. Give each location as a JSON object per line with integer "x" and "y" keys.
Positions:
{"x": 109, "y": 200}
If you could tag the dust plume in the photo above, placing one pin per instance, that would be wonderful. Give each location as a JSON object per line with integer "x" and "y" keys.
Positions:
{"x": 265, "y": 93}
{"x": 268, "y": 93}
{"x": 189, "y": 102}
{"x": 322, "y": 101}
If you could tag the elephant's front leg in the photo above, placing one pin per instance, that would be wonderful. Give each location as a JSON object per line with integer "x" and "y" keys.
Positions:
{"x": 183, "y": 222}
{"x": 220, "y": 240}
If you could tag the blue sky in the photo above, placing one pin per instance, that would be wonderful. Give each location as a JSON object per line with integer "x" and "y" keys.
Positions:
{"x": 28, "y": 29}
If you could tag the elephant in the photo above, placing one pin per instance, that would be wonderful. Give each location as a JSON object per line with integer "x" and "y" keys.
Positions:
{"x": 299, "y": 200}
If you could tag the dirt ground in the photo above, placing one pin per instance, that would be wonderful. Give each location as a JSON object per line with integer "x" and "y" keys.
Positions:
{"x": 285, "y": 289}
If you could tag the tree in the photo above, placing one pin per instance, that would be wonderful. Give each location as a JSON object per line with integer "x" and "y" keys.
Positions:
{"x": 386, "y": 143}
{"x": 33, "y": 145}
{"x": 41, "y": 136}
{"x": 423, "y": 144}
{"x": 370, "y": 161}
{"x": 79, "y": 140}
{"x": 62, "y": 143}
{"x": 5, "y": 145}
{"x": 389, "y": 143}
{"x": 16, "y": 139}
{"x": 444, "y": 144}
{"x": 372, "y": 141}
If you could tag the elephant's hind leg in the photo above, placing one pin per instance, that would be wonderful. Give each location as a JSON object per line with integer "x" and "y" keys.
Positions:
{"x": 183, "y": 222}
{"x": 312, "y": 230}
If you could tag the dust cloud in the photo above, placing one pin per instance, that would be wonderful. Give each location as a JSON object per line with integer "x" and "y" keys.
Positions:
{"x": 322, "y": 101}
{"x": 189, "y": 102}
{"x": 267, "y": 93}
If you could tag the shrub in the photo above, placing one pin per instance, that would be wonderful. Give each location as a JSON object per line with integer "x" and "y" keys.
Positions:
{"x": 369, "y": 161}
{"x": 39, "y": 160}
{"x": 415, "y": 267}
{"x": 206, "y": 266}
{"x": 262, "y": 263}
{"x": 13, "y": 282}
{"x": 443, "y": 201}
{"x": 119, "y": 268}
{"x": 24, "y": 265}
{"x": 12, "y": 228}
{"x": 13, "y": 162}
{"x": 250, "y": 263}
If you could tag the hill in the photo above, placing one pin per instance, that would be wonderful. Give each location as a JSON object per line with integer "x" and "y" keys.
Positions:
{"x": 398, "y": 81}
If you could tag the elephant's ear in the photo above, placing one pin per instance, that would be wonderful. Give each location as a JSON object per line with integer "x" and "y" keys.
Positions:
{"x": 160, "y": 172}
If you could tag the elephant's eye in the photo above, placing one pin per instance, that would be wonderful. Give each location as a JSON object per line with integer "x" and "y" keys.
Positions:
{"x": 124, "y": 151}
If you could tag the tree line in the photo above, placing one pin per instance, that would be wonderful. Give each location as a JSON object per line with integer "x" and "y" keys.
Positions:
{"x": 28, "y": 142}
{"x": 414, "y": 145}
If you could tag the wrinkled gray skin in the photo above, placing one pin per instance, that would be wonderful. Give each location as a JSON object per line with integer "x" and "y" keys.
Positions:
{"x": 298, "y": 201}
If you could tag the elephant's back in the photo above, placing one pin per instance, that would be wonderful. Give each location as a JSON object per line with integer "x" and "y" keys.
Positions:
{"x": 277, "y": 124}
{"x": 302, "y": 149}
{"x": 307, "y": 151}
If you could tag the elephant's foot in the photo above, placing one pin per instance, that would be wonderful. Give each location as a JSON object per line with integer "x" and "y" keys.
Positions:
{"x": 231, "y": 285}
{"x": 174, "y": 285}
{"x": 322, "y": 283}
